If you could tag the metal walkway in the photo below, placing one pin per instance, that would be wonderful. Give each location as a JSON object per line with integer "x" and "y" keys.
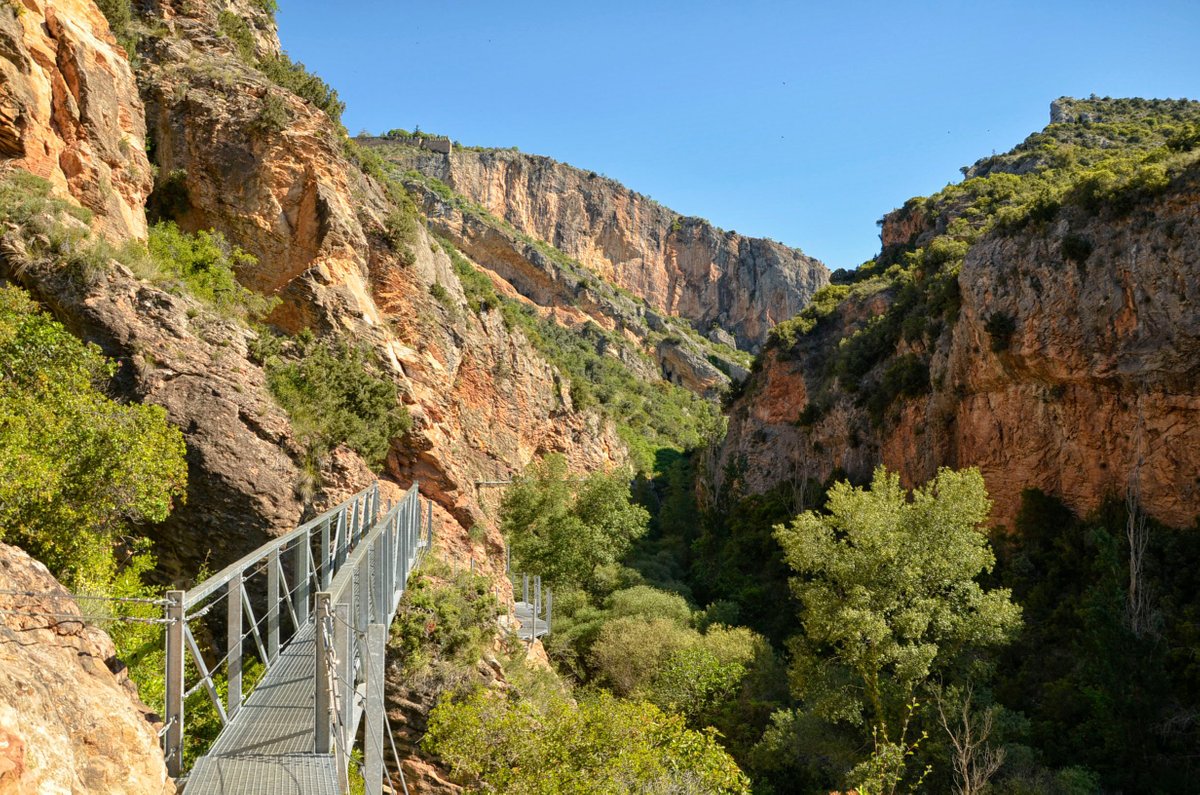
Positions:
{"x": 325, "y": 595}
{"x": 534, "y": 616}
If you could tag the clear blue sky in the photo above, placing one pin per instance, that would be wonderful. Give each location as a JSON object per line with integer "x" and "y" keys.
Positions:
{"x": 804, "y": 122}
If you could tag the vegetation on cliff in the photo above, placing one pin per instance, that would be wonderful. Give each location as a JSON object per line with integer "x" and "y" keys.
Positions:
{"x": 1103, "y": 157}
{"x": 650, "y": 415}
{"x": 77, "y": 468}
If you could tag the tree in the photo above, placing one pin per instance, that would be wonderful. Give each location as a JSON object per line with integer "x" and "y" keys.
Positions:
{"x": 562, "y": 527}
{"x": 890, "y": 599}
{"x": 974, "y": 759}
{"x": 551, "y": 744}
{"x": 76, "y": 467}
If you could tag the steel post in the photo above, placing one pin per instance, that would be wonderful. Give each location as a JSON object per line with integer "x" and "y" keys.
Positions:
{"x": 343, "y": 646}
{"x": 374, "y": 731}
{"x": 233, "y": 643}
{"x": 174, "y": 683}
{"x": 273, "y": 604}
{"x": 321, "y": 683}
{"x": 300, "y": 575}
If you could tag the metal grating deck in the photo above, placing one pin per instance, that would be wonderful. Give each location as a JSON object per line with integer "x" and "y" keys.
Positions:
{"x": 531, "y": 627}
{"x": 267, "y": 749}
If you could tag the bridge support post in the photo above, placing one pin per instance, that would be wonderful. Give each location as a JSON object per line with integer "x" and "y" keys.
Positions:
{"x": 324, "y": 701}
{"x": 300, "y": 574}
{"x": 325, "y": 559}
{"x": 174, "y": 683}
{"x": 273, "y": 605}
{"x": 233, "y": 620}
{"x": 343, "y": 639}
{"x": 373, "y": 753}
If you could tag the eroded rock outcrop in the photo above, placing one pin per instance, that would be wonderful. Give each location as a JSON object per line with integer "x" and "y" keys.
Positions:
{"x": 68, "y": 723}
{"x": 681, "y": 266}
{"x": 483, "y": 402}
{"x": 70, "y": 112}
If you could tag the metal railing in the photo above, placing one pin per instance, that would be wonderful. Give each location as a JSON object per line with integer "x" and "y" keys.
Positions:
{"x": 280, "y": 578}
{"x": 353, "y": 614}
{"x": 534, "y": 616}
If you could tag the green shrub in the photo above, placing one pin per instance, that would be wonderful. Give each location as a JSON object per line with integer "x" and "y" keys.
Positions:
{"x": 650, "y": 603}
{"x": 293, "y": 76}
{"x": 238, "y": 31}
{"x": 49, "y": 232}
{"x": 76, "y": 467}
{"x": 206, "y": 265}
{"x": 692, "y": 680}
{"x": 550, "y": 744}
{"x": 401, "y": 226}
{"x": 333, "y": 396}
{"x": 628, "y": 652}
{"x": 562, "y": 527}
{"x": 450, "y": 619}
{"x": 274, "y": 116}
{"x": 442, "y": 295}
{"x": 120, "y": 16}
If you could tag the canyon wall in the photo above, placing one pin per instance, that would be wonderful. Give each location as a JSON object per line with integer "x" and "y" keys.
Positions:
{"x": 681, "y": 266}
{"x": 1070, "y": 366}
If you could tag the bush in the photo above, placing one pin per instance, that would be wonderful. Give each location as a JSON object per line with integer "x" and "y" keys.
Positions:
{"x": 450, "y": 620}
{"x": 120, "y": 16}
{"x": 293, "y": 76}
{"x": 628, "y": 652}
{"x": 76, "y": 468}
{"x": 333, "y": 396}
{"x": 48, "y": 232}
{"x": 206, "y": 265}
{"x": 442, "y": 295}
{"x": 563, "y": 528}
{"x": 650, "y": 603}
{"x": 598, "y": 744}
{"x": 238, "y": 31}
{"x": 274, "y": 116}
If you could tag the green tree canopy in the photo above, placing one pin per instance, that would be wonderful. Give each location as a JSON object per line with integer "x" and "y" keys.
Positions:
{"x": 562, "y": 527}
{"x": 75, "y": 466}
{"x": 890, "y": 598}
{"x": 550, "y": 744}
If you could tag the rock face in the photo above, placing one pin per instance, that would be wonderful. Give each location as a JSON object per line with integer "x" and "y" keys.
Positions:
{"x": 1098, "y": 383}
{"x": 681, "y": 266}
{"x": 70, "y": 112}
{"x": 68, "y": 724}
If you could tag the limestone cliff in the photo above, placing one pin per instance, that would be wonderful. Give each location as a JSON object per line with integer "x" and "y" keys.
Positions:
{"x": 290, "y": 194}
{"x": 679, "y": 265}
{"x": 68, "y": 723}
{"x": 69, "y": 109}
{"x": 1057, "y": 351}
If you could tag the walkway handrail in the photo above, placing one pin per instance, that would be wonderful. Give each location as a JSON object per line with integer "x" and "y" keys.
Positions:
{"x": 353, "y": 614}
{"x": 315, "y": 551}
